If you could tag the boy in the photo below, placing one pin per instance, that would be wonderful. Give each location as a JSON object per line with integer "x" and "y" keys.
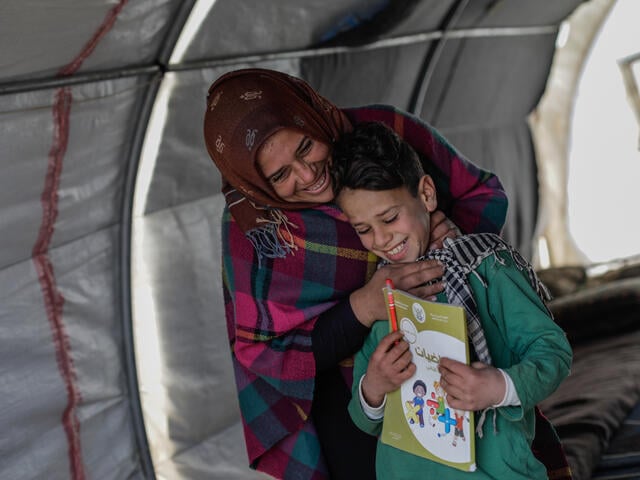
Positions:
{"x": 522, "y": 355}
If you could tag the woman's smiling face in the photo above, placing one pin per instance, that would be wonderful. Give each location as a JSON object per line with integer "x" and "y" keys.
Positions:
{"x": 297, "y": 167}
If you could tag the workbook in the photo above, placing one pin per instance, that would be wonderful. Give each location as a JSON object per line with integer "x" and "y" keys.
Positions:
{"x": 417, "y": 417}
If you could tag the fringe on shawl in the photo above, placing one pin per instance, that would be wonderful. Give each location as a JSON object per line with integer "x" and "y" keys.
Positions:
{"x": 272, "y": 239}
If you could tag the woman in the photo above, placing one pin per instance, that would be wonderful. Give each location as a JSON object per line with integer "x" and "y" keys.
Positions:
{"x": 300, "y": 290}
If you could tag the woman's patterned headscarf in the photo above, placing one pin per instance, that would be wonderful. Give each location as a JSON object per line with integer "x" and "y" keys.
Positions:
{"x": 244, "y": 108}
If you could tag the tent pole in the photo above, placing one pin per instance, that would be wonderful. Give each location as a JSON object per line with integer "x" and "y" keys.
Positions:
{"x": 125, "y": 276}
{"x": 384, "y": 43}
{"x": 21, "y": 86}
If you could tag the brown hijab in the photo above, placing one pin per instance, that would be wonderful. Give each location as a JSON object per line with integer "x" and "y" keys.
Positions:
{"x": 245, "y": 107}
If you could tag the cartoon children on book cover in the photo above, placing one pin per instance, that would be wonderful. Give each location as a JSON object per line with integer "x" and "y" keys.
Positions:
{"x": 426, "y": 425}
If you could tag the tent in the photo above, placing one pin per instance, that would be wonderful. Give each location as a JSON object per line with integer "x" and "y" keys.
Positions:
{"x": 114, "y": 360}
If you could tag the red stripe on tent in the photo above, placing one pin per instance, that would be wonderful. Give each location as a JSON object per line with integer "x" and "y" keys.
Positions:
{"x": 53, "y": 299}
{"x": 102, "y": 30}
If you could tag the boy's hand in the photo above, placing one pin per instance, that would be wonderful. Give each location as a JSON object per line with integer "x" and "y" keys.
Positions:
{"x": 441, "y": 228}
{"x": 472, "y": 387}
{"x": 389, "y": 366}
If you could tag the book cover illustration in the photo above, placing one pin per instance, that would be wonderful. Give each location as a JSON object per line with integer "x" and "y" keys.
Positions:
{"x": 417, "y": 417}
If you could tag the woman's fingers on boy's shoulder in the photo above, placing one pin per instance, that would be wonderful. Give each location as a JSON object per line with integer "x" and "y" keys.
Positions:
{"x": 429, "y": 271}
{"x": 441, "y": 228}
{"x": 403, "y": 270}
{"x": 428, "y": 292}
{"x": 437, "y": 219}
{"x": 416, "y": 277}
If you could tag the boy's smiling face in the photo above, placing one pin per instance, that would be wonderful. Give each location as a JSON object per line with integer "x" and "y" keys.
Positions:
{"x": 391, "y": 223}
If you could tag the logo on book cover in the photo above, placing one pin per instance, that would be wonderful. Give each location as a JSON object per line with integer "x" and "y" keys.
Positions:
{"x": 418, "y": 313}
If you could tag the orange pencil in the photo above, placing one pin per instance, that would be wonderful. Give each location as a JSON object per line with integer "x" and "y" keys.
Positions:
{"x": 392, "y": 306}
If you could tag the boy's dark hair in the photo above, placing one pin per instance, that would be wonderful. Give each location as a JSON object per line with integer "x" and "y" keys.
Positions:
{"x": 374, "y": 157}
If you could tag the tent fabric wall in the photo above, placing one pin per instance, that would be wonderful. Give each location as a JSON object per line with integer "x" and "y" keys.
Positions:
{"x": 64, "y": 154}
{"x": 80, "y": 83}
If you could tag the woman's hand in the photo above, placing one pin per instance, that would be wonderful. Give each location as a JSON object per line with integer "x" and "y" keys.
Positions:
{"x": 369, "y": 302}
{"x": 441, "y": 228}
{"x": 471, "y": 387}
{"x": 389, "y": 366}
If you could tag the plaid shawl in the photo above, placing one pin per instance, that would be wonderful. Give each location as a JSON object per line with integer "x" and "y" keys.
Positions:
{"x": 271, "y": 304}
